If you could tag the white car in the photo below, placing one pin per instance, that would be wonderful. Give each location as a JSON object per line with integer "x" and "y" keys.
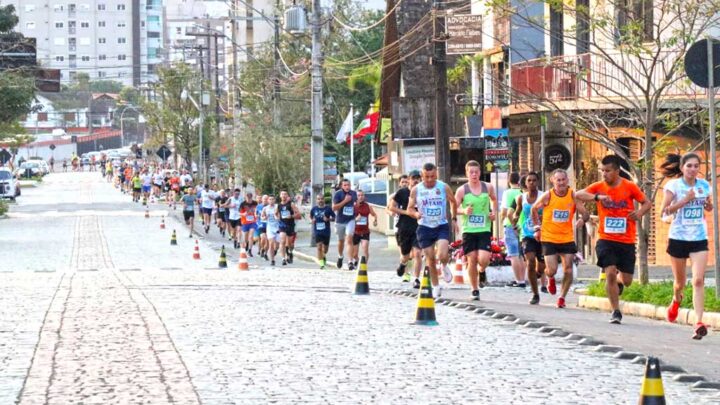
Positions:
{"x": 9, "y": 186}
{"x": 366, "y": 185}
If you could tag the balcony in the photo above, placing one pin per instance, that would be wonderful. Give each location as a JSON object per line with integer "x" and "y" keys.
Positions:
{"x": 589, "y": 77}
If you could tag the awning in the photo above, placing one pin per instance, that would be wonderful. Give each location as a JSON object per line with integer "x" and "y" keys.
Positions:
{"x": 382, "y": 160}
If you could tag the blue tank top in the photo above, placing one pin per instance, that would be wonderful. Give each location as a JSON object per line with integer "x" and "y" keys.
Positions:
{"x": 526, "y": 222}
{"x": 431, "y": 203}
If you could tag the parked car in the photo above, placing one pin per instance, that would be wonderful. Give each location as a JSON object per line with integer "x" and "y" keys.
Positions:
{"x": 366, "y": 185}
{"x": 354, "y": 177}
{"x": 30, "y": 168}
{"x": 9, "y": 186}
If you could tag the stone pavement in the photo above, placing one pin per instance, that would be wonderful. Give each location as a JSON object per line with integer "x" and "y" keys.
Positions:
{"x": 126, "y": 318}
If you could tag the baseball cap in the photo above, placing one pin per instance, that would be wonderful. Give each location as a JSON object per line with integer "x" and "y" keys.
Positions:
{"x": 414, "y": 173}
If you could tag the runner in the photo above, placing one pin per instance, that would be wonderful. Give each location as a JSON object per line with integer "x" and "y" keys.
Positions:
{"x": 174, "y": 189}
{"x": 188, "y": 201}
{"x": 361, "y": 236}
{"x": 343, "y": 205}
{"x": 428, "y": 204}
{"x": 477, "y": 207}
{"x": 185, "y": 179}
{"x": 530, "y": 242}
{"x": 512, "y": 244}
{"x": 685, "y": 197}
{"x": 136, "y": 187}
{"x": 287, "y": 212}
{"x": 158, "y": 183}
{"x": 233, "y": 207}
{"x": 248, "y": 218}
{"x": 270, "y": 216}
{"x": 146, "y": 184}
{"x": 321, "y": 215}
{"x": 406, "y": 235}
{"x": 262, "y": 227}
{"x": 207, "y": 198}
{"x": 557, "y": 234}
{"x": 615, "y": 248}
{"x": 222, "y": 211}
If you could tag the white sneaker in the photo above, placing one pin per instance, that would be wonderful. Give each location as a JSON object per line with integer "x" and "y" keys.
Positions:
{"x": 436, "y": 291}
{"x": 447, "y": 274}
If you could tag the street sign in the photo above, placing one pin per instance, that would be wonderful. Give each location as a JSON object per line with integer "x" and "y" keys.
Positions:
{"x": 497, "y": 149}
{"x": 164, "y": 152}
{"x": 52, "y": 146}
{"x": 696, "y": 63}
{"x": 464, "y": 34}
{"x": 5, "y": 156}
{"x": 557, "y": 157}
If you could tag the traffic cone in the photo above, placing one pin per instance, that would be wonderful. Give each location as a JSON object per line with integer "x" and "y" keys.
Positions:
{"x": 173, "y": 239}
{"x": 651, "y": 392}
{"x": 243, "y": 261}
{"x": 223, "y": 259}
{"x": 425, "y": 314}
{"x": 147, "y": 213}
{"x": 458, "y": 280}
{"x": 196, "y": 253}
{"x": 162, "y": 223}
{"x": 361, "y": 282}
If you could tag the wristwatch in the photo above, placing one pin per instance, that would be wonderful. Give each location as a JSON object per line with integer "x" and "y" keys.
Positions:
{"x": 597, "y": 197}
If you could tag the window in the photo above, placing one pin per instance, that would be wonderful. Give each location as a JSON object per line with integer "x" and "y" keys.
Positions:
{"x": 101, "y": 24}
{"x": 101, "y": 40}
{"x": 42, "y": 116}
{"x": 556, "y": 31}
{"x": 153, "y": 34}
{"x": 178, "y": 30}
{"x": 121, "y": 40}
{"x": 29, "y": 8}
{"x": 85, "y": 58}
{"x": 84, "y": 24}
{"x": 102, "y": 57}
{"x": 582, "y": 10}
{"x": 121, "y": 7}
{"x": 121, "y": 24}
{"x": 59, "y": 7}
{"x": 30, "y": 25}
{"x": 101, "y": 74}
{"x": 633, "y": 10}
{"x": 72, "y": 75}
{"x": 101, "y": 7}
{"x": 59, "y": 58}
{"x": 58, "y": 25}
{"x": 122, "y": 57}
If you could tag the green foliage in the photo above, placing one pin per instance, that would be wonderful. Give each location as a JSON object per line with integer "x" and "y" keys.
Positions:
{"x": 16, "y": 92}
{"x": 4, "y": 207}
{"x": 657, "y": 294}
{"x": 130, "y": 95}
{"x": 8, "y": 19}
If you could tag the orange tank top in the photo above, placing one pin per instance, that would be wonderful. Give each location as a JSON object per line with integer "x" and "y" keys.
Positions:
{"x": 557, "y": 219}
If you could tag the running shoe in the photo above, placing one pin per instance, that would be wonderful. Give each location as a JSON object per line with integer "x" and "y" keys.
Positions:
{"x": 406, "y": 278}
{"x": 552, "y": 288}
{"x": 700, "y": 331}
{"x": 400, "y": 271}
{"x": 535, "y": 299}
{"x": 284, "y": 262}
{"x": 416, "y": 284}
{"x": 250, "y": 253}
{"x": 339, "y": 263}
{"x": 521, "y": 285}
{"x": 616, "y": 317}
{"x": 447, "y": 274}
{"x": 543, "y": 289}
{"x": 483, "y": 279}
{"x": 272, "y": 263}
{"x": 351, "y": 266}
{"x": 436, "y": 291}
{"x": 561, "y": 302}
{"x": 512, "y": 284}
{"x": 290, "y": 257}
{"x": 672, "y": 311}
{"x": 190, "y": 236}
{"x": 323, "y": 263}
{"x": 476, "y": 295}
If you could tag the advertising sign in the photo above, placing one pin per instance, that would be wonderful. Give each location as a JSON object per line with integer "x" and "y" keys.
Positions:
{"x": 464, "y": 34}
{"x": 414, "y": 157}
{"x": 497, "y": 150}
{"x": 329, "y": 169}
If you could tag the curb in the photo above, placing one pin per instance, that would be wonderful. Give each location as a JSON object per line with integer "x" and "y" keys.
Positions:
{"x": 680, "y": 375}
{"x": 685, "y": 316}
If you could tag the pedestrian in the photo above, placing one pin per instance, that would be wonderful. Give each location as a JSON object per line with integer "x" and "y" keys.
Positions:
{"x": 287, "y": 212}
{"x": 321, "y": 216}
{"x": 188, "y": 201}
{"x": 529, "y": 231}
{"x": 52, "y": 164}
{"x": 343, "y": 205}
{"x": 615, "y": 249}
{"x": 248, "y": 219}
{"x": 406, "y": 235}
{"x": 477, "y": 204}
{"x": 271, "y": 216}
{"x": 512, "y": 243}
{"x": 686, "y": 196}
{"x": 428, "y": 204}
{"x": 64, "y": 166}
{"x": 557, "y": 234}
{"x": 361, "y": 236}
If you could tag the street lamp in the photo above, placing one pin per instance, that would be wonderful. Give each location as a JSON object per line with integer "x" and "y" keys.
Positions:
{"x": 184, "y": 96}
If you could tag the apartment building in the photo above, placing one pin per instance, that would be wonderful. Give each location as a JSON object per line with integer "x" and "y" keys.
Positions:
{"x": 117, "y": 40}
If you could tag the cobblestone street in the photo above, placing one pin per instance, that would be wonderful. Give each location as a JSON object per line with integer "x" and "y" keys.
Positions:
{"x": 96, "y": 307}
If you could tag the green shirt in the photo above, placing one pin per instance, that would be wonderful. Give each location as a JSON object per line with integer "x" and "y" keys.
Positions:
{"x": 479, "y": 220}
{"x": 137, "y": 182}
{"x": 509, "y": 197}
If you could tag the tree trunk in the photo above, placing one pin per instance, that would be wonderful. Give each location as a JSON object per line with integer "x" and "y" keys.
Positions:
{"x": 646, "y": 222}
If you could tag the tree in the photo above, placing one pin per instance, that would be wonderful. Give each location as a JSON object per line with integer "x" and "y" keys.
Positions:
{"x": 172, "y": 119}
{"x": 628, "y": 73}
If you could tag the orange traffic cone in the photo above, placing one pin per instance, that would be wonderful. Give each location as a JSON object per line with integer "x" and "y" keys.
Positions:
{"x": 243, "y": 261}
{"x": 147, "y": 213}
{"x": 162, "y": 223}
{"x": 196, "y": 253}
{"x": 458, "y": 280}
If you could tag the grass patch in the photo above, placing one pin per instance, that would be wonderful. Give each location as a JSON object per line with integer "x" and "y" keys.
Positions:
{"x": 658, "y": 294}
{"x": 4, "y": 207}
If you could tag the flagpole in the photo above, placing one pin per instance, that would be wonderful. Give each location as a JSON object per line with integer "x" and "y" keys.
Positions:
{"x": 352, "y": 145}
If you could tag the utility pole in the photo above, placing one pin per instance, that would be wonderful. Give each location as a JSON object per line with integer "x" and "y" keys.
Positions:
{"x": 276, "y": 79}
{"x": 316, "y": 123}
{"x": 235, "y": 91}
{"x": 442, "y": 151}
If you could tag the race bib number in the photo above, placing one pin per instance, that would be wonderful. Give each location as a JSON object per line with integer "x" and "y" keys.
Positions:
{"x": 476, "y": 221}
{"x": 692, "y": 216}
{"x": 348, "y": 210}
{"x": 615, "y": 225}
{"x": 249, "y": 218}
{"x": 561, "y": 216}
{"x": 362, "y": 220}
{"x": 285, "y": 214}
{"x": 320, "y": 226}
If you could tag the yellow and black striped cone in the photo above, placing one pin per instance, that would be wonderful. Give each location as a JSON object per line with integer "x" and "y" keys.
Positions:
{"x": 223, "y": 259}
{"x": 425, "y": 314}
{"x": 652, "y": 392}
{"x": 361, "y": 282}
{"x": 173, "y": 239}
